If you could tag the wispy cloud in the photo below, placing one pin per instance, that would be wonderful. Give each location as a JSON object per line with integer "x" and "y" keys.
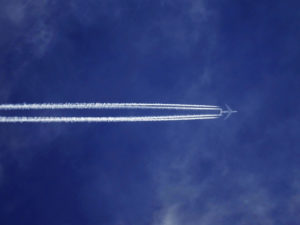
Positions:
{"x": 203, "y": 183}
{"x": 28, "y": 25}
{"x": 14, "y": 11}
{"x": 179, "y": 32}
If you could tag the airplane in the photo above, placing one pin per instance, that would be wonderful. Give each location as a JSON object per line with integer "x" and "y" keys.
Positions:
{"x": 229, "y": 111}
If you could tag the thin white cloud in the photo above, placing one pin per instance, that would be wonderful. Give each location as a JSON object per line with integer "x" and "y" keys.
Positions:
{"x": 168, "y": 217}
{"x": 15, "y": 11}
{"x": 28, "y": 25}
{"x": 40, "y": 38}
{"x": 193, "y": 193}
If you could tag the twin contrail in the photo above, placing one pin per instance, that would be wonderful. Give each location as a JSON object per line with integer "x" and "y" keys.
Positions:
{"x": 102, "y": 119}
{"x": 105, "y": 106}
{"x": 84, "y": 106}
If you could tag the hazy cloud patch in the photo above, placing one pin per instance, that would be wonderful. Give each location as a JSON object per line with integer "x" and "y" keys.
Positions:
{"x": 199, "y": 182}
{"x": 183, "y": 26}
{"x": 28, "y": 28}
{"x": 15, "y": 11}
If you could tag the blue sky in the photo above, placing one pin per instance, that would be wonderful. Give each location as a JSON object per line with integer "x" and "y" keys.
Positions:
{"x": 244, "y": 170}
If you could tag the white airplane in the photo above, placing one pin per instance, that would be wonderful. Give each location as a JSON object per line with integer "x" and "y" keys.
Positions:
{"x": 229, "y": 111}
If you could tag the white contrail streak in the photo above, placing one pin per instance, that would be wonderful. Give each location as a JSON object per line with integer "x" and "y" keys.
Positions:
{"x": 85, "y": 106}
{"x": 104, "y": 119}
{"x": 54, "y": 106}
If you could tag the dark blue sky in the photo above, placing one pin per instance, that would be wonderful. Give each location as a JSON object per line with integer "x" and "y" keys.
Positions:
{"x": 241, "y": 171}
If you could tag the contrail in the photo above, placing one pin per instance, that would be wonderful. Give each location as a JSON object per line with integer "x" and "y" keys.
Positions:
{"x": 87, "y": 106}
{"x": 54, "y": 106}
{"x": 104, "y": 119}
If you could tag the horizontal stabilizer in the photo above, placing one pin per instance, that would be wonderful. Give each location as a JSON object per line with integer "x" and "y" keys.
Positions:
{"x": 228, "y": 111}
